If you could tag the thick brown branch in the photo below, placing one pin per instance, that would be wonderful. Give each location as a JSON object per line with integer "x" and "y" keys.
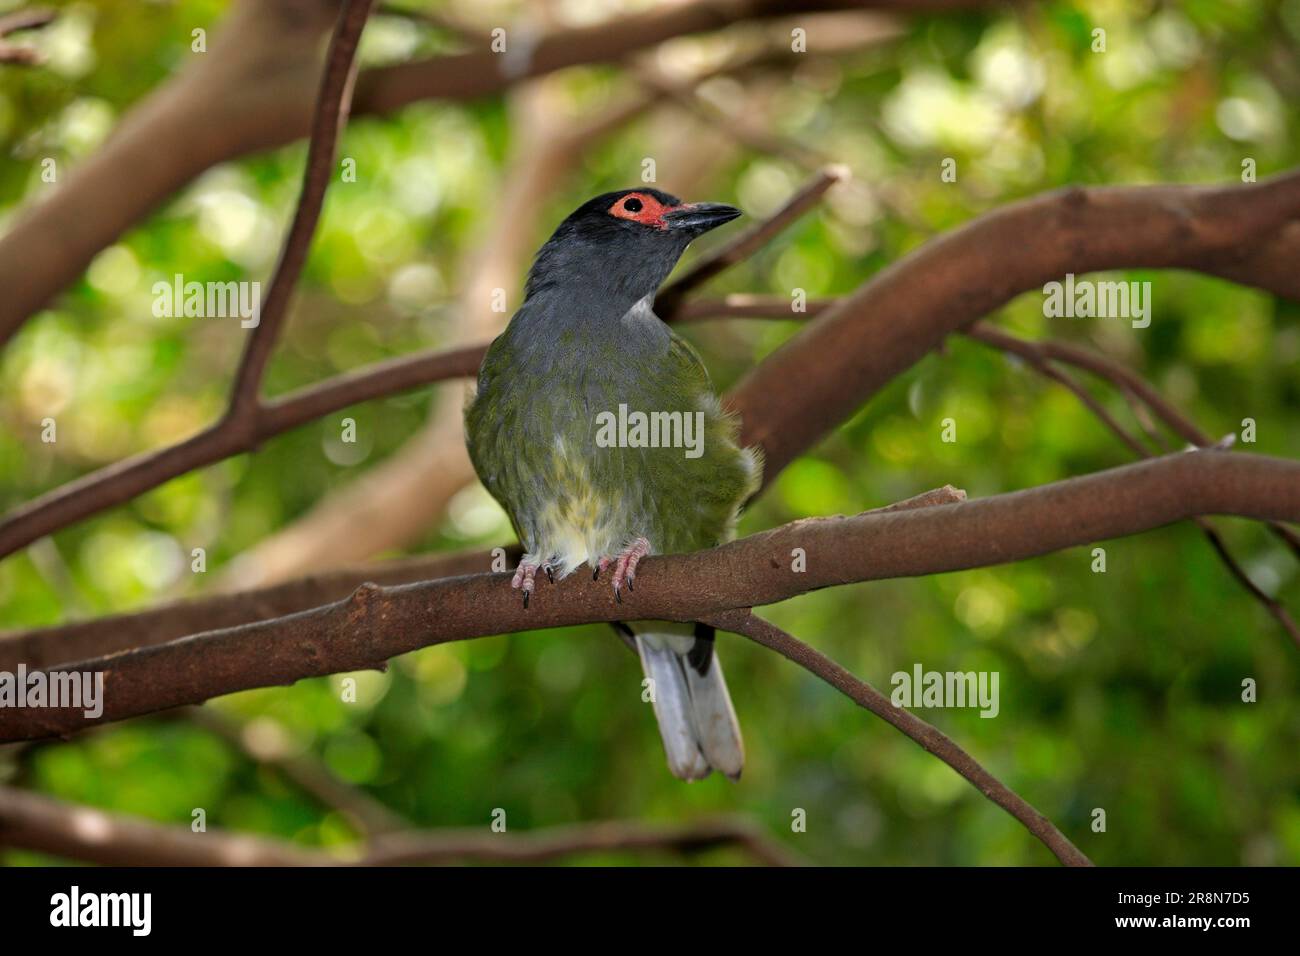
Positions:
{"x": 931, "y": 738}
{"x": 101, "y": 636}
{"x": 1141, "y": 396}
{"x": 841, "y": 359}
{"x": 377, "y": 623}
{"x": 46, "y": 647}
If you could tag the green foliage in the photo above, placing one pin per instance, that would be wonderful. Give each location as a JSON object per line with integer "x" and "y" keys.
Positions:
{"x": 1120, "y": 690}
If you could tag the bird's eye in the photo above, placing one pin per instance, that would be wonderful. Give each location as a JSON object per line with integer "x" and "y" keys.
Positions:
{"x": 632, "y": 205}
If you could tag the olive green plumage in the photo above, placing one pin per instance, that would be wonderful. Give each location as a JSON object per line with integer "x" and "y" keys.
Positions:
{"x": 532, "y": 434}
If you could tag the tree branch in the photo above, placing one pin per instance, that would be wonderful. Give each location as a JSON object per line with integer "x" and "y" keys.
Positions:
{"x": 32, "y": 821}
{"x": 669, "y": 299}
{"x": 929, "y": 737}
{"x": 857, "y": 344}
{"x": 1042, "y": 356}
{"x": 98, "y": 637}
{"x": 45, "y": 647}
{"x": 222, "y": 106}
{"x": 17, "y": 21}
{"x": 836, "y": 363}
{"x": 366, "y": 815}
{"x": 332, "y": 107}
{"x": 377, "y": 623}
{"x": 1039, "y": 354}
{"x": 240, "y": 426}
{"x": 248, "y": 426}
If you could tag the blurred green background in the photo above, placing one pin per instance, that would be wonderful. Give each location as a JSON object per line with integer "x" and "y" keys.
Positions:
{"x": 1119, "y": 690}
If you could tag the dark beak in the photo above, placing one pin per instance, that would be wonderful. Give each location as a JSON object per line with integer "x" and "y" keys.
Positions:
{"x": 699, "y": 217}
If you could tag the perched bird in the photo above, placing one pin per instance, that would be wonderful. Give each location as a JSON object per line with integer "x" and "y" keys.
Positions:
{"x": 597, "y": 429}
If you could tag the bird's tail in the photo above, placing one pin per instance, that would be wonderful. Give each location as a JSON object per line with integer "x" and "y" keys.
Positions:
{"x": 691, "y": 703}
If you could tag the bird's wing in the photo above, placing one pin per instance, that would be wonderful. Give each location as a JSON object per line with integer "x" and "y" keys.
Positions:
{"x": 687, "y": 364}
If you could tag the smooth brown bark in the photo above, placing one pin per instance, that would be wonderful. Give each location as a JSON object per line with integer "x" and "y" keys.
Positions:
{"x": 97, "y": 637}
{"x": 850, "y": 351}
{"x": 377, "y": 623}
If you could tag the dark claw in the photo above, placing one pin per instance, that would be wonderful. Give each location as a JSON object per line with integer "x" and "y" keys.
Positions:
{"x": 595, "y": 574}
{"x": 550, "y": 575}
{"x": 630, "y": 582}
{"x": 618, "y": 596}
{"x": 526, "y": 593}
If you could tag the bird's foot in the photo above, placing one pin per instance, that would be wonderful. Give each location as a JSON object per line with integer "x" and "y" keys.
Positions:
{"x": 526, "y": 573}
{"x": 625, "y": 566}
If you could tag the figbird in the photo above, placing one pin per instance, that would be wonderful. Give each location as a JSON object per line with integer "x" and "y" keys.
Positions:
{"x": 597, "y": 429}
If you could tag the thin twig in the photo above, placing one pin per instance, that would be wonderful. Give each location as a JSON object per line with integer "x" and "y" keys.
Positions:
{"x": 26, "y": 20}
{"x": 1035, "y": 357}
{"x": 448, "y": 846}
{"x": 367, "y": 815}
{"x": 1038, "y": 356}
{"x": 332, "y": 107}
{"x": 929, "y": 737}
{"x": 749, "y": 241}
{"x": 744, "y": 131}
{"x": 745, "y": 305}
{"x": 1134, "y": 386}
{"x": 440, "y": 20}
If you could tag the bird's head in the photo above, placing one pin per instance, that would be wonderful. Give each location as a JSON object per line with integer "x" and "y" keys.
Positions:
{"x": 622, "y": 245}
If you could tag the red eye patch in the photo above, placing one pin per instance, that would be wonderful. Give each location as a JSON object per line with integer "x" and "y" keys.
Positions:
{"x": 642, "y": 208}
